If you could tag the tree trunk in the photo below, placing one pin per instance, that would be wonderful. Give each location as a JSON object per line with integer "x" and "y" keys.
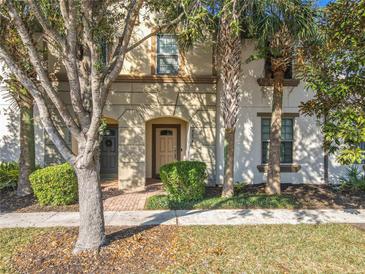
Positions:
{"x": 27, "y": 150}
{"x": 228, "y": 186}
{"x": 91, "y": 231}
{"x": 229, "y": 49}
{"x": 273, "y": 176}
{"x": 325, "y": 157}
{"x": 325, "y": 166}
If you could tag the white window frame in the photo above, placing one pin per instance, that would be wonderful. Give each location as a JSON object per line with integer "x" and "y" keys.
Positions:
{"x": 159, "y": 54}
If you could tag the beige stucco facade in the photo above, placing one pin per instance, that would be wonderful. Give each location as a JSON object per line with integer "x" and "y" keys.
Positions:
{"x": 137, "y": 106}
{"x": 140, "y": 99}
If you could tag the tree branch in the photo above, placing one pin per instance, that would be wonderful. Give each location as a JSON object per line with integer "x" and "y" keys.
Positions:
{"x": 41, "y": 104}
{"x": 156, "y": 31}
{"x": 94, "y": 82}
{"x": 50, "y": 33}
{"x": 70, "y": 62}
{"x": 37, "y": 64}
{"x": 119, "y": 53}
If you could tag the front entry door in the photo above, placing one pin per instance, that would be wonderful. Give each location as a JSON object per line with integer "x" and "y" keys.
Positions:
{"x": 166, "y": 147}
{"x": 109, "y": 151}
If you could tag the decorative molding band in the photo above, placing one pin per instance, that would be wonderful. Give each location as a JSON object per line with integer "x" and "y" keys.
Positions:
{"x": 203, "y": 79}
{"x": 194, "y": 79}
{"x": 285, "y": 168}
{"x": 285, "y": 114}
{"x": 266, "y": 82}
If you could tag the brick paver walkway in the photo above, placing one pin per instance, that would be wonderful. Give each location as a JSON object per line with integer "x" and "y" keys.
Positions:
{"x": 134, "y": 199}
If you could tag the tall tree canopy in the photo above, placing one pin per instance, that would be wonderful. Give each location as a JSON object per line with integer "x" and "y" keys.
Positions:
{"x": 334, "y": 69}
{"x": 75, "y": 32}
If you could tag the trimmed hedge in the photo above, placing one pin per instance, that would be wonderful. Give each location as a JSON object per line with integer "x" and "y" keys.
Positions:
{"x": 55, "y": 185}
{"x": 184, "y": 180}
{"x": 9, "y": 174}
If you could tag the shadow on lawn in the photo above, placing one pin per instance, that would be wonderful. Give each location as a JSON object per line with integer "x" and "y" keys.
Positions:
{"x": 127, "y": 233}
{"x": 155, "y": 219}
{"x": 235, "y": 217}
{"x": 303, "y": 195}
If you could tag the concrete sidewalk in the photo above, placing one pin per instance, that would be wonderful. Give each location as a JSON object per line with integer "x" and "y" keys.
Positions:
{"x": 189, "y": 217}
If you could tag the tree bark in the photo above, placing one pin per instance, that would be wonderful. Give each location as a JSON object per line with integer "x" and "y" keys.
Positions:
{"x": 27, "y": 150}
{"x": 273, "y": 176}
{"x": 229, "y": 49}
{"x": 91, "y": 231}
{"x": 325, "y": 157}
{"x": 325, "y": 166}
{"x": 228, "y": 186}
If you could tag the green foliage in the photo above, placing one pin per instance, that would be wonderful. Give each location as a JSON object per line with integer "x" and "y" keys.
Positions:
{"x": 55, "y": 185}
{"x": 354, "y": 180}
{"x": 242, "y": 200}
{"x": 9, "y": 165}
{"x": 197, "y": 19}
{"x": 200, "y": 21}
{"x": 16, "y": 94}
{"x": 103, "y": 126}
{"x": 279, "y": 26}
{"x": 9, "y": 173}
{"x": 239, "y": 187}
{"x": 334, "y": 68}
{"x": 184, "y": 180}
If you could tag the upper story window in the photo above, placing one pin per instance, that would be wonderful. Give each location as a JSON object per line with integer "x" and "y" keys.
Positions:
{"x": 167, "y": 54}
{"x": 270, "y": 75}
{"x": 287, "y": 139}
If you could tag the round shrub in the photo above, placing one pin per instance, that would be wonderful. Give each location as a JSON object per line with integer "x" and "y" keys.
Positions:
{"x": 55, "y": 185}
{"x": 184, "y": 180}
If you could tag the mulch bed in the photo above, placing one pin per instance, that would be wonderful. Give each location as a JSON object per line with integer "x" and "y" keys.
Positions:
{"x": 307, "y": 196}
{"x": 9, "y": 202}
{"x": 129, "y": 250}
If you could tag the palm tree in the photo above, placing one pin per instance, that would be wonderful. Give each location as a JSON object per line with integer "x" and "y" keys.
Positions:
{"x": 281, "y": 26}
{"x": 229, "y": 50}
{"x": 23, "y": 101}
{"x": 20, "y": 97}
{"x": 222, "y": 20}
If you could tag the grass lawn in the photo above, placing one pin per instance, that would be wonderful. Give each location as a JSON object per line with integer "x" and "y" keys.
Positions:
{"x": 196, "y": 249}
{"x": 281, "y": 249}
{"x": 242, "y": 200}
{"x": 10, "y": 239}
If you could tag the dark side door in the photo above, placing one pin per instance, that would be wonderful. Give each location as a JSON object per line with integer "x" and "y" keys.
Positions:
{"x": 109, "y": 151}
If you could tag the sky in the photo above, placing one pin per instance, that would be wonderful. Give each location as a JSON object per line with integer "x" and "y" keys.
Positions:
{"x": 323, "y": 2}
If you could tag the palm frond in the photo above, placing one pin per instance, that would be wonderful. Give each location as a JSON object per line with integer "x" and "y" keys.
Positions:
{"x": 297, "y": 18}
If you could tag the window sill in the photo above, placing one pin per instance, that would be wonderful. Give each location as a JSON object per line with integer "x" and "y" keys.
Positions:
{"x": 266, "y": 82}
{"x": 285, "y": 168}
{"x": 283, "y": 115}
